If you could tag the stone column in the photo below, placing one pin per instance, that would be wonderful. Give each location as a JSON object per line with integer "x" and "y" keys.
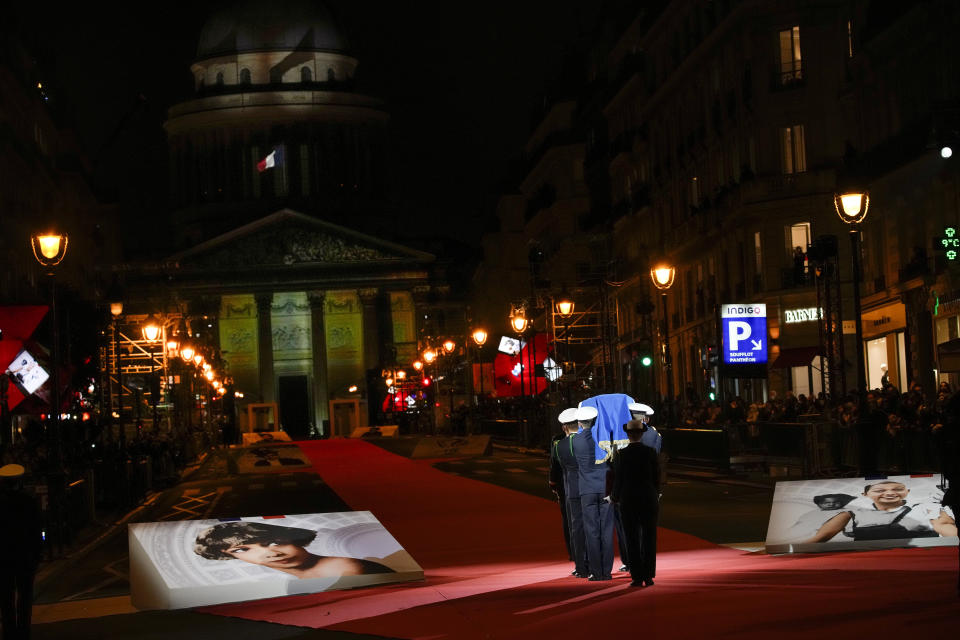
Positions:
{"x": 265, "y": 347}
{"x": 421, "y": 295}
{"x": 318, "y": 338}
{"x": 371, "y": 332}
{"x": 371, "y": 348}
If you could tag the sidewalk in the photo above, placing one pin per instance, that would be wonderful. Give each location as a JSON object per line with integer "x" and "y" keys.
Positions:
{"x": 104, "y": 526}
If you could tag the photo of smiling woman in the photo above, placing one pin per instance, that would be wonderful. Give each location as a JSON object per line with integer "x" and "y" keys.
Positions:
{"x": 280, "y": 548}
{"x": 890, "y": 516}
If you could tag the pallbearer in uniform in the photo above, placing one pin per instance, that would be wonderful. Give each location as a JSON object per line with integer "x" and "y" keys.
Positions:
{"x": 651, "y": 437}
{"x": 564, "y": 453}
{"x": 555, "y": 482}
{"x": 636, "y": 490}
{"x": 597, "y": 514}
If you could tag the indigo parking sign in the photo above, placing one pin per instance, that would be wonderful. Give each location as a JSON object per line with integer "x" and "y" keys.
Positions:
{"x": 744, "y": 333}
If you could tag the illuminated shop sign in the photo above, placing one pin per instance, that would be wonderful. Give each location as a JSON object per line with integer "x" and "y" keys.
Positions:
{"x": 744, "y": 333}
{"x": 811, "y": 314}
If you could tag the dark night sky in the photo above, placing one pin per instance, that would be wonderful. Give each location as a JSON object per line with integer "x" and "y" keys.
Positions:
{"x": 460, "y": 82}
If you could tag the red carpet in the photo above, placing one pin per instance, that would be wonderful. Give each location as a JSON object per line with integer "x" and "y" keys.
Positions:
{"x": 495, "y": 568}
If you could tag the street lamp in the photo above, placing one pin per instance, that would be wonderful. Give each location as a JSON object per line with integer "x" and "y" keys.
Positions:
{"x": 518, "y": 319}
{"x": 662, "y": 276}
{"x": 151, "y": 329}
{"x": 852, "y": 208}
{"x": 565, "y": 306}
{"x": 479, "y": 338}
{"x": 49, "y": 249}
{"x": 449, "y": 345}
{"x": 186, "y": 353}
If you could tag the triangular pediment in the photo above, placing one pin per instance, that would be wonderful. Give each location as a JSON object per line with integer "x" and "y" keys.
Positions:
{"x": 290, "y": 238}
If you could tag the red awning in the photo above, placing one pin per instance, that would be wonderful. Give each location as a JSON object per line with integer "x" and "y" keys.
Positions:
{"x": 796, "y": 357}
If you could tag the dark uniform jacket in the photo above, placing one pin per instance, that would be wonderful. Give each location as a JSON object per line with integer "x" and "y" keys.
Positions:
{"x": 564, "y": 451}
{"x": 592, "y": 477}
{"x": 636, "y": 475}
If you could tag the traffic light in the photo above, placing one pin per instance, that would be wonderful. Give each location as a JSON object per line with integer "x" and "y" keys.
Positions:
{"x": 646, "y": 359}
{"x": 713, "y": 356}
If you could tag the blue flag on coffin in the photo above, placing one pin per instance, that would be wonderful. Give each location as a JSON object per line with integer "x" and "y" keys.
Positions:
{"x": 612, "y": 414}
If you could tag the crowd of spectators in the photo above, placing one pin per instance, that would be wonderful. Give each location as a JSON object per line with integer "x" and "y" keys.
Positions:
{"x": 898, "y": 430}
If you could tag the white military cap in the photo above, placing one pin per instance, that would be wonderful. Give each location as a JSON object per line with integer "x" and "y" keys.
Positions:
{"x": 586, "y": 413}
{"x": 568, "y": 415}
{"x": 639, "y": 407}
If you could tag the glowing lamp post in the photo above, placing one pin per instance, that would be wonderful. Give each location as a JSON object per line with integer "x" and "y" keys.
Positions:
{"x": 50, "y": 249}
{"x": 479, "y": 338}
{"x": 852, "y": 207}
{"x": 662, "y": 276}
{"x": 151, "y": 329}
{"x": 565, "y": 307}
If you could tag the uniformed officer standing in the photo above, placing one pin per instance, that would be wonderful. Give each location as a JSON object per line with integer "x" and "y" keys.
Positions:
{"x": 555, "y": 482}
{"x": 636, "y": 490}
{"x": 597, "y": 514}
{"x": 651, "y": 437}
{"x": 564, "y": 454}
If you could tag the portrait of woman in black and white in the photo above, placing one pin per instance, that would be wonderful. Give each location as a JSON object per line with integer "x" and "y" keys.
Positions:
{"x": 890, "y": 516}
{"x": 280, "y": 548}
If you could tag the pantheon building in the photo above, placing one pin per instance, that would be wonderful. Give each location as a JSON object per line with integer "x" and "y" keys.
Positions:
{"x": 286, "y": 269}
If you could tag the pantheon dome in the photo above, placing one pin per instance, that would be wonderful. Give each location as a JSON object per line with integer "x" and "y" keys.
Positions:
{"x": 274, "y": 76}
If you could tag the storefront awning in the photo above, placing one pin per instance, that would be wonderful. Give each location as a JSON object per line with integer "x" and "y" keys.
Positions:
{"x": 796, "y": 357}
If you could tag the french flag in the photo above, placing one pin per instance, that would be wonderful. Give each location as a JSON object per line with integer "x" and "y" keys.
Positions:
{"x": 273, "y": 159}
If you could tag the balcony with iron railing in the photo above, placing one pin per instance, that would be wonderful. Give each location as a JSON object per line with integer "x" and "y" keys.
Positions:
{"x": 788, "y": 76}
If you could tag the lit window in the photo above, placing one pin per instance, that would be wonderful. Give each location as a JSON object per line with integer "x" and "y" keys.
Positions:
{"x": 799, "y": 237}
{"x": 758, "y": 252}
{"x": 791, "y": 68}
{"x": 793, "y": 149}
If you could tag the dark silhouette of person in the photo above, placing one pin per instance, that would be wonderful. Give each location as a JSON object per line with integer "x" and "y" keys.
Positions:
{"x": 21, "y": 538}
{"x": 636, "y": 489}
{"x": 564, "y": 452}
{"x": 597, "y": 512}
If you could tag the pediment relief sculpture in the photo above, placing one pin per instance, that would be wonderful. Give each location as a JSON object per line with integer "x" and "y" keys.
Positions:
{"x": 290, "y": 246}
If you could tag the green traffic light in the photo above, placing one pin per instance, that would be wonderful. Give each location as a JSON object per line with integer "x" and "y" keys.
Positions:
{"x": 646, "y": 361}
{"x": 713, "y": 396}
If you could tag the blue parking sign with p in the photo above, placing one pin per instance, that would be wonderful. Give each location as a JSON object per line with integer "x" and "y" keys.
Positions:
{"x": 744, "y": 333}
